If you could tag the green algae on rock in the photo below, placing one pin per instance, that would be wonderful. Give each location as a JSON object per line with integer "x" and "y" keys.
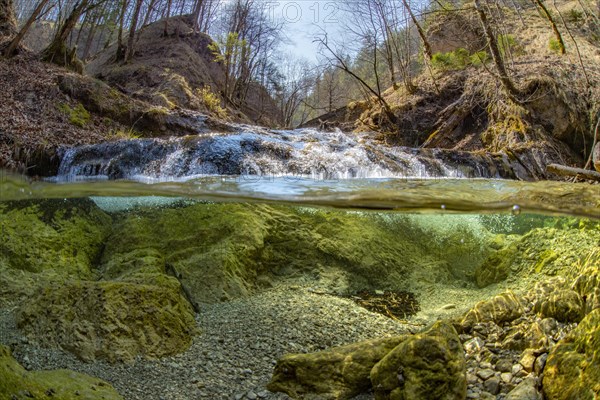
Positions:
{"x": 48, "y": 241}
{"x": 573, "y": 367}
{"x": 505, "y": 307}
{"x": 63, "y": 235}
{"x": 116, "y": 321}
{"x": 17, "y": 383}
{"x": 223, "y": 251}
{"x": 542, "y": 252}
{"x": 430, "y": 365}
{"x": 338, "y": 373}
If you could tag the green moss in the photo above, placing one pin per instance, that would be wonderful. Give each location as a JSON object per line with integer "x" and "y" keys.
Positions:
{"x": 116, "y": 321}
{"x": 17, "y": 383}
{"x": 554, "y": 45}
{"x": 458, "y": 59}
{"x": 78, "y": 116}
{"x": 64, "y": 236}
{"x": 573, "y": 367}
{"x": 338, "y": 373}
{"x": 430, "y": 365}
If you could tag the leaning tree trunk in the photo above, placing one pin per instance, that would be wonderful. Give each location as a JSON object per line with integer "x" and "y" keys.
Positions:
{"x": 57, "y": 52}
{"x": 559, "y": 39}
{"x": 426, "y": 45}
{"x": 12, "y": 47}
{"x": 505, "y": 80}
{"x": 8, "y": 22}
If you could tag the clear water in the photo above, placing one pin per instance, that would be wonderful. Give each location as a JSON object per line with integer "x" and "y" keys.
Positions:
{"x": 332, "y": 237}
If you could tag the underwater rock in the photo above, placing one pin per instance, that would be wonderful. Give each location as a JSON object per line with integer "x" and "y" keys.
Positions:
{"x": 564, "y": 306}
{"x": 541, "y": 253}
{"x": 524, "y": 336}
{"x": 67, "y": 233}
{"x": 430, "y": 365}
{"x": 17, "y": 383}
{"x": 338, "y": 373}
{"x": 116, "y": 321}
{"x": 572, "y": 369}
{"x": 224, "y": 251}
{"x": 48, "y": 240}
{"x": 502, "y": 308}
{"x": 525, "y": 390}
{"x": 497, "y": 266}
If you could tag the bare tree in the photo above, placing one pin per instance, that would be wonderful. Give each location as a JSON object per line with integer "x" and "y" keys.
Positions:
{"x": 492, "y": 42}
{"x": 339, "y": 62}
{"x": 57, "y": 51}
{"x": 12, "y": 46}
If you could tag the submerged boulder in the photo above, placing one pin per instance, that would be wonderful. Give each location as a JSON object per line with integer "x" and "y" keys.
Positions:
{"x": 48, "y": 240}
{"x": 338, "y": 373}
{"x": 17, "y": 383}
{"x": 505, "y": 307}
{"x": 116, "y": 321}
{"x": 541, "y": 253}
{"x": 223, "y": 251}
{"x": 430, "y": 365}
{"x": 572, "y": 370}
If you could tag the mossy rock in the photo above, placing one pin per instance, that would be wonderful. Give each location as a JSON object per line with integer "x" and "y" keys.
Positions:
{"x": 338, "y": 373}
{"x": 542, "y": 252}
{"x": 63, "y": 235}
{"x": 565, "y": 306}
{"x": 17, "y": 383}
{"x": 505, "y": 307}
{"x": 219, "y": 251}
{"x": 572, "y": 370}
{"x": 430, "y": 365}
{"x": 116, "y": 321}
{"x": 48, "y": 241}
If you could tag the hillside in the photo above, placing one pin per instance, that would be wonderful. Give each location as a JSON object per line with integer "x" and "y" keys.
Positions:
{"x": 170, "y": 88}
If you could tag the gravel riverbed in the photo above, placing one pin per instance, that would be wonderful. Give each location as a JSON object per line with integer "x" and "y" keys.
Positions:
{"x": 238, "y": 345}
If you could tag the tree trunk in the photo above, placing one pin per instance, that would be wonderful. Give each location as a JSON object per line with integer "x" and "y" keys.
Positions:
{"x": 561, "y": 43}
{"x": 120, "y": 46}
{"x": 8, "y": 22}
{"x": 57, "y": 51}
{"x": 10, "y": 50}
{"x": 166, "y": 28}
{"x": 426, "y": 45}
{"x": 513, "y": 92}
{"x": 132, "y": 28}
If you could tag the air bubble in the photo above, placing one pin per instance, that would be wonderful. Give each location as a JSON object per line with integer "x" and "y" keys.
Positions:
{"x": 516, "y": 210}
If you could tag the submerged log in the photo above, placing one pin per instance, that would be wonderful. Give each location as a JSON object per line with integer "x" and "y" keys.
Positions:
{"x": 571, "y": 171}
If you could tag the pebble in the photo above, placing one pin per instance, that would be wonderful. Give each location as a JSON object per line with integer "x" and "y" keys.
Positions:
{"x": 527, "y": 360}
{"x": 504, "y": 365}
{"x": 506, "y": 377}
{"x": 492, "y": 385}
{"x": 485, "y": 373}
{"x": 251, "y": 395}
{"x": 540, "y": 363}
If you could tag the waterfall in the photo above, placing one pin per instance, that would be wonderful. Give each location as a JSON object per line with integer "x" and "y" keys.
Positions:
{"x": 255, "y": 151}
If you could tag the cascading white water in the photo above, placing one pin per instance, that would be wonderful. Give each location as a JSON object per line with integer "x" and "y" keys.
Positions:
{"x": 255, "y": 151}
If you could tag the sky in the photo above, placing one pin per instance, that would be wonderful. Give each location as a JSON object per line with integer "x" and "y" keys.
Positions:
{"x": 303, "y": 20}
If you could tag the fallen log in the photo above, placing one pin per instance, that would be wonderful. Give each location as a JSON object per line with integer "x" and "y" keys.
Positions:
{"x": 571, "y": 171}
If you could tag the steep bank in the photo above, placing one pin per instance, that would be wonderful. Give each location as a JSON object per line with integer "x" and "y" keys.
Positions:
{"x": 179, "y": 70}
{"x": 459, "y": 103}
